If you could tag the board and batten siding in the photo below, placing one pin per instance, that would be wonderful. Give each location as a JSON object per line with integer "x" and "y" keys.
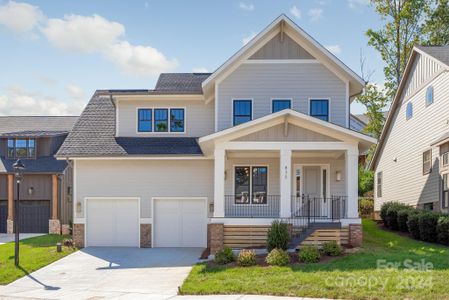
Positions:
{"x": 144, "y": 179}
{"x": 297, "y": 81}
{"x": 403, "y": 179}
{"x": 422, "y": 69}
{"x": 199, "y": 117}
{"x": 287, "y": 49}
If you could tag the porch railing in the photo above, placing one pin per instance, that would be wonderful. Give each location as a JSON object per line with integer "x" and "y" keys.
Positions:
{"x": 260, "y": 206}
{"x": 316, "y": 208}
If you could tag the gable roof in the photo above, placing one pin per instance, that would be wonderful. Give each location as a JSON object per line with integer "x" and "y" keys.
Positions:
{"x": 434, "y": 52}
{"x": 36, "y": 125}
{"x": 181, "y": 82}
{"x": 285, "y": 24}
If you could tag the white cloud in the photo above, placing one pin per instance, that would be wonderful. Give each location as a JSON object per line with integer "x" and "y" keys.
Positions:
{"x": 86, "y": 34}
{"x": 146, "y": 4}
{"x": 357, "y": 4}
{"x": 246, "y": 6}
{"x": 248, "y": 38}
{"x": 20, "y": 17}
{"x": 335, "y": 49}
{"x": 295, "y": 12}
{"x": 315, "y": 14}
{"x": 75, "y": 91}
{"x": 200, "y": 70}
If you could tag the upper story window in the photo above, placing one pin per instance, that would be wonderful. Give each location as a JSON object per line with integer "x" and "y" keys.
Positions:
{"x": 409, "y": 111}
{"x": 445, "y": 191}
{"x": 242, "y": 111}
{"x": 280, "y": 104}
{"x": 429, "y": 95}
{"x": 379, "y": 184}
{"x": 161, "y": 120}
{"x": 427, "y": 162}
{"x": 319, "y": 108}
{"x": 21, "y": 148}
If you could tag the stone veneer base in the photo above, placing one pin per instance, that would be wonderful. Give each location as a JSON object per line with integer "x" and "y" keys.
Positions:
{"x": 215, "y": 237}
{"x": 355, "y": 235}
{"x": 78, "y": 235}
{"x": 145, "y": 235}
{"x": 54, "y": 226}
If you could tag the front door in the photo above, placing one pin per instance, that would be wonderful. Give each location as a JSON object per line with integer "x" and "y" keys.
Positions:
{"x": 312, "y": 189}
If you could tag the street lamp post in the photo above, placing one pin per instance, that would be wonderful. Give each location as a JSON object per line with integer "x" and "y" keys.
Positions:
{"x": 18, "y": 169}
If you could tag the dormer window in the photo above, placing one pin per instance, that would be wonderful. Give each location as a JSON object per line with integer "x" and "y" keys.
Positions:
{"x": 429, "y": 95}
{"x": 161, "y": 120}
{"x": 21, "y": 148}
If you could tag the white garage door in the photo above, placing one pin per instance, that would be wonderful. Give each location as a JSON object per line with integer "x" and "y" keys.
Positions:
{"x": 112, "y": 222}
{"x": 180, "y": 223}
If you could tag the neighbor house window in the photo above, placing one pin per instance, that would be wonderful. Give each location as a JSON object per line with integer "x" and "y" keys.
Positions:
{"x": 145, "y": 120}
{"x": 251, "y": 185}
{"x": 445, "y": 159}
{"x": 161, "y": 120}
{"x": 319, "y": 108}
{"x": 242, "y": 111}
{"x": 445, "y": 189}
{"x": 428, "y": 206}
{"x": 409, "y": 111}
{"x": 176, "y": 120}
{"x": 427, "y": 162}
{"x": 379, "y": 184}
{"x": 21, "y": 148}
{"x": 429, "y": 95}
{"x": 280, "y": 104}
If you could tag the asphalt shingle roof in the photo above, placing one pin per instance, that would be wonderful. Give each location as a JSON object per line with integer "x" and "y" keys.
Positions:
{"x": 160, "y": 145}
{"x": 439, "y": 52}
{"x": 181, "y": 82}
{"x": 46, "y": 164}
{"x": 9, "y": 124}
{"x": 34, "y": 133}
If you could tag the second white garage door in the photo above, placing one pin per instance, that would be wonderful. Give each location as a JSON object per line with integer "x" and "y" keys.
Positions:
{"x": 180, "y": 223}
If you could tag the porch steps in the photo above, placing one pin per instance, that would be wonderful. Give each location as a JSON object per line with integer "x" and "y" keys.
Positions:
{"x": 301, "y": 235}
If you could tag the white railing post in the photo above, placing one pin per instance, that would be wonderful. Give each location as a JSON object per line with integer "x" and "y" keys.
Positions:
{"x": 285, "y": 182}
{"x": 352, "y": 174}
{"x": 219, "y": 181}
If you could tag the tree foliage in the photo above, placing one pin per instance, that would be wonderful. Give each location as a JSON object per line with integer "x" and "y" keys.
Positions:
{"x": 435, "y": 30}
{"x": 375, "y": 101}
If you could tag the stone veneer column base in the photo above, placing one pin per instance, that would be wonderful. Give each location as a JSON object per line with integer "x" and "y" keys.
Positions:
{"x": 54, "y": 226}
{"x": 215, "y": 236}
{"x": 78, "y": 235}
{"x": 9, "y": 226}
{"x": 65, "y": 229}
{"x": 355, "y": 235}
{"x": 145, "y": 235}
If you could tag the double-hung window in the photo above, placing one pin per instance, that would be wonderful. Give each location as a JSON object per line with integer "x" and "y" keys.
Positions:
{"x": 242, "y": 111}
{"x": 319, "y": 108}
{"x": 429, "y": 95}
{"x": 145, "y": 122}
{"x": 161, "y": 120}
{"x": 379, "y": 184}
{"x": 427, "y": 162}
{"x": 251, "y": 185}
{"x": 445, "y": 191}
{"x": 176, "y": 120}
{"x": 21, "y": 148}
{"x": 280, "y": 104}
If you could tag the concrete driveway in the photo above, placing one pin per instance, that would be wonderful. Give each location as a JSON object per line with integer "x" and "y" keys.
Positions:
{"x": 99, "y": 273}
{"x": 6, "y": 238}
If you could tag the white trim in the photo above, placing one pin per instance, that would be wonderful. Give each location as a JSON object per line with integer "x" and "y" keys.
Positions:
{"x": 301, "y": 166}
{"x": 116, "y": 118}
{"x": 329, "y": 106}
{"x": 268, "y": 221}
{"x": 304, "y": 146}
{"x": 193, "y": 157}
{"x": 75, "y": 187}
{"x": 216, "y": 106}
{"x": 281, "y": 99}
{"x": 206, "y": 200}
{"x": 133, "y": 97}
{"x": 152, "y": 132}
{"x": 281, "y": 61}
{"x": 232, "y": 109}
{"x": 109, "y": 198}
{"x": 250, "y": 183}
{"x": 146, "y": 221}
{"x": 348, "y": 105}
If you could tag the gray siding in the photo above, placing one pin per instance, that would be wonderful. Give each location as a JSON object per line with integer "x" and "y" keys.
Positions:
{"x": 39, "y": 182}
{"x": 66, "y": 199}
{"x": 199, "y": 117}
{"x": 261, "y": 82}
{"x": 406, "y": 141}
{"x": 294, "y": 133}
{"x": 287, "y": 49}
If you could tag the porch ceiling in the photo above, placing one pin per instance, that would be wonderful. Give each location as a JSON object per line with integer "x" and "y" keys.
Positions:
{"x": 275, "y": 154}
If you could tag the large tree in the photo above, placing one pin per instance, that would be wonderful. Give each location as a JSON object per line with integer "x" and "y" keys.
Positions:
{"x": 395, "y": 39}
{"x": 436, "y": 27}
{"x": 375, "y": 101}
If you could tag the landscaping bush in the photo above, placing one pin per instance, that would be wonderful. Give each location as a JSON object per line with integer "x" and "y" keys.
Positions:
{"x": 383, "y": 211}
{"x": 224, "y": 256}
{"x": 277, "y": 257}
{"x": 403, "y": 218}
{"x": 309, "y": 254}
{"x": 246, "y": 258}
{"x": 332, "y": 248}
{"x": 277, "y": 236}
{"x": 366, "y": 207}
{"x": 413, "y": 223}
{"x": 428, "y": 226}
{"x": 392, "y": 215}
{"x": 443, "y": 230}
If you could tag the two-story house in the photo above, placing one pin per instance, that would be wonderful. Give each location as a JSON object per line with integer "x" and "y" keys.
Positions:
{"x": 212, "y": 159}
{"x": 46, "y": 186}
{"x": 411, "y": 159}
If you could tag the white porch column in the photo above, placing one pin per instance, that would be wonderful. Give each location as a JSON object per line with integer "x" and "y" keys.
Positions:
{"x": 219, "y": 181}
{"x": 285, "y": 182}
{"x": 352, "y": 174}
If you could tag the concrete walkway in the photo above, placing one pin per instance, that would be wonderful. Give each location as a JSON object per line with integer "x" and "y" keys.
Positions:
{"x": 6, "y": 238}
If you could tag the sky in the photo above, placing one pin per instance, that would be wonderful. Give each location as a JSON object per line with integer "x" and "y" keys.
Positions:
{"x": 55, "y": 54}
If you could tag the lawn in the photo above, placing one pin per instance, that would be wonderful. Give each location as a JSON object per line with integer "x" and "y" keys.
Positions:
{"x": 35, "y": 253}
{"x": 355, "y": 276}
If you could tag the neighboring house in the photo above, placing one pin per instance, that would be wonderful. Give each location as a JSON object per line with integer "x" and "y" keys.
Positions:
{"x": 212, "y": 159}
{"x": 357, "y": 123}
{"x": 46, "y": 187}
{"x": 411, "y": 160}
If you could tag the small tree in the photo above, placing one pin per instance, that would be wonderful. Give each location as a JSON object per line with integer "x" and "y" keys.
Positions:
{"x": 366, "y": 180}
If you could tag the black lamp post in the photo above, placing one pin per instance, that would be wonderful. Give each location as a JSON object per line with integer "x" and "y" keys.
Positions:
{"x": 18, "y": 169}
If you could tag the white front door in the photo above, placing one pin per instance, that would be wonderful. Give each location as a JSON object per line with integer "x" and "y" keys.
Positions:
{"x": 180, "y": 223}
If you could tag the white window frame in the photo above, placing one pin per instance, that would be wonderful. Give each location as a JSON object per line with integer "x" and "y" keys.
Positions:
{"x": 442, "y": 189}
{"x": 152, "y": 120}
{"x": 381, "y": 184}
{"x": 282, "y": 99}
{"x": 250, "y": 183}
{"x": 232, "y": 109}
{"x": 323, "y": 167}
{"x": 407, "y": 117}
{"x": 433, "y": 96}
{"x": 329, "y": 106}
{"x": 431, "y": 160}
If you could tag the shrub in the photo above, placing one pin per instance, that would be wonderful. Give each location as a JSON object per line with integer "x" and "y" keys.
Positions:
{"x": 366, "y": 180}
{"x": 383, "y": 212}
{"x": 443, "y": 230}
{"x": 277, "y": 236}
{"x": 366, "y": 207}
{"x": 224, "y": 256}
{"x": 246, "y": 258}
{"x": 403, "y": 218}
{"x": 68, "y": 243}
{"x": 277, "y": 257}
{"x": 332, "y": 248}
{"x": 309, "y": 254}
{"x": 428, "y": 226}
{"x": 392, "y": 215}
{"x": 413, "y": 223}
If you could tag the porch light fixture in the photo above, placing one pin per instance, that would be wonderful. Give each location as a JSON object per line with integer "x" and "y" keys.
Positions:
{"x": 79, "y": 208}
{"x": 31, "y": 191}
{"x": 338, "y": 176}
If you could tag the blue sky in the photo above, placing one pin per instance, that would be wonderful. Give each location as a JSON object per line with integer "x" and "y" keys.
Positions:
{"x": 55, "y": 54}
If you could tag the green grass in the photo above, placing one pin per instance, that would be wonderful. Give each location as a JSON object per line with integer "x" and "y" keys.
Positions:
{"x": 355, "y": 276}
{"x": 35, "y": 253}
